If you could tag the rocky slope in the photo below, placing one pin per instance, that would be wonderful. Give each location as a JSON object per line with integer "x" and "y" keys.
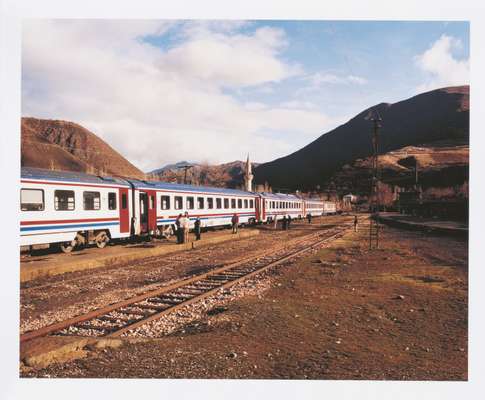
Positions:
{"x": 63, "y": 145}
{"x": 430, "y": 117}
{"x": 442, "y": 171}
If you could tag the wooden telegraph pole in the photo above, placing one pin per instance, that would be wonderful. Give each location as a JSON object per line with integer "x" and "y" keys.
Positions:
{"x": 374, "y": 201}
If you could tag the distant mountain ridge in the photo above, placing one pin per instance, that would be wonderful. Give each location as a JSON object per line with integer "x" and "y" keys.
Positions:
{"x": 441, "y": 114}
{"x": 229, "y": 175}
{"x": 174, "y": 166}
{"x": 64, "y": 145}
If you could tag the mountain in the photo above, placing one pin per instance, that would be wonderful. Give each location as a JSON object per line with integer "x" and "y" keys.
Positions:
{"x": 63, "y": 145}
{"x": 171, "y": 167}
{"x": 430, "y": 117}
{"x": 229, "y": 175}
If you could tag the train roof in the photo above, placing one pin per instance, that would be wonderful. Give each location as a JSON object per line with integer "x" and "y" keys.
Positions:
{"x": 280, "y": 196}
{"x": 178, "y": 187}
{"x": 69, "y": 176}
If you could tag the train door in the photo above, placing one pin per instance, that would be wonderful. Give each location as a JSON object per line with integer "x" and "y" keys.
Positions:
{"x": 152, "y": 210}
{"x": 124, "y": 210}
{"x": 143, "y": 212}
{"x": 148, "y": 211}
{"x": 257, "y": 209}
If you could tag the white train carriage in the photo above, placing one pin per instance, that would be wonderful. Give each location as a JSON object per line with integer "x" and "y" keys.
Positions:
{"x": 329, "y": 208}
{"x": 158, "y": 204}
{"x": 274, "y": 206}
{"x": 314, "y": 207}
{"x": 70, "y": 208}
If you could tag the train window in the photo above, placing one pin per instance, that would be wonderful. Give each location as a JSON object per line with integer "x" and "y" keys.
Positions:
{"x": 200, "y": 203}
{"x": 112, "y": 201}
{"x": 178, "y": 202}
{"x": 233, "y": 203}
{"x": 124, "y": 201}
{"x": 92, "y": 200}
{"x": 245, "y": 203}
{"x": 64, "y": 200}
{"x": 226, "y": 203}
{"x": 219, "y": 203}
{"x": 165, "y": 202}
{"x": 210, "y": 203}
{"x": 31, "y": 199}
{"x": 239, "y": 203}
{"x": 251, "y": 203}
{"x": 190, "y": 203}
{"x": 281, "y": 204}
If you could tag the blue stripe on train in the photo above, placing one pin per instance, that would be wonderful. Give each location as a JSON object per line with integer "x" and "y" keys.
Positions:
{"x": 40, "y": 228}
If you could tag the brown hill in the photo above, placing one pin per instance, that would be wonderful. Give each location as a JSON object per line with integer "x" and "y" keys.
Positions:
{"x": 437, "y": 115}
{"x": 442, "y": 170}
{"x": 63, "y": 145}
{"x": 230, "y": 175}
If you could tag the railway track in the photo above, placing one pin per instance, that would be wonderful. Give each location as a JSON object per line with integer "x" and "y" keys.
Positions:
{"x": 124, "y": 316}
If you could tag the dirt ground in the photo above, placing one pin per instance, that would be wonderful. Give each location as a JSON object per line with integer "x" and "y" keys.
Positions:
{"x": 345, "y": 312}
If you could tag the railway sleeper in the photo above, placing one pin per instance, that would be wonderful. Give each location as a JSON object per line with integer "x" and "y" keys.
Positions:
{"x": 109, "y": 318}
{"x": 169, "y": 302}
{"x": 153, "y": 307}
{"x": 95, "y": 327}
{"x": 192, "y": 291}
{"x": 208, "y": 283}
{"x": 133, "y": 312}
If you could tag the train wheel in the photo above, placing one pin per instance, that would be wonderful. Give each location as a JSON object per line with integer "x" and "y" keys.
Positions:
{"x": 167, "y": 231}
{"x": 101, "y": 240}
{"x": 67, "y": 247}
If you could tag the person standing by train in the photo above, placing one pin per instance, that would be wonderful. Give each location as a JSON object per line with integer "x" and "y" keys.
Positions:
{"x": 186, "y": 226}
{"x": 235, "y": 222}
{"x": 179, "y": 232}
{"x": 197, "y": 228}
{"x": 289, "y": 222}
{"x": 309, "y": 217}
{"x": 284, "y": 223}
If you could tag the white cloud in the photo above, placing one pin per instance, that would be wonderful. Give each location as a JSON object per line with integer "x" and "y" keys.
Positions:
{"x": 442, "y": 68}
{"x": 321, "y": 78}
{"x": 160, "y": 105}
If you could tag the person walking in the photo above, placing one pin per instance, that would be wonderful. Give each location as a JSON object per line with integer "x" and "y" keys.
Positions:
{"x": 284, "y": 223}
{"x": 197, "y": 228}
{"x": 355, "y": 223}
{"x": 179, "y": 232}
{"x": 235, "y": 222}
{"x": 309, "y": 218}
{"x": 288, "y": 222}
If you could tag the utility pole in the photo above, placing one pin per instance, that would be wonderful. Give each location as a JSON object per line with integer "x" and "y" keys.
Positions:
{"x": 374, "y": 201}
{"x": 185, "y": 168}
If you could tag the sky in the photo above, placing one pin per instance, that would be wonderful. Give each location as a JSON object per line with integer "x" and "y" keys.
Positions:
{"x": 162, "y": 91}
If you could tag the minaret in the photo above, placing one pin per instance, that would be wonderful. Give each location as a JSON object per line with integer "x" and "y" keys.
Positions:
{"x": 248, "y": 176}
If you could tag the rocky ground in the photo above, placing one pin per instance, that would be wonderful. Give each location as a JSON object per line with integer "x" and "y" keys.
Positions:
{"x": 343, "y": 312}
{"x": 47, "y": 300}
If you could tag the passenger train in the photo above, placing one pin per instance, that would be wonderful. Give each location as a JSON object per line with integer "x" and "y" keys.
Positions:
{"x": 74, "y": 209}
